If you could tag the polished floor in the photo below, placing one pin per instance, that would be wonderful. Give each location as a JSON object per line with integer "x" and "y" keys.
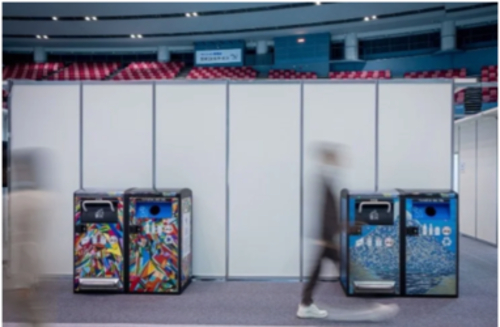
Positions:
{"x": 271, "y": 303}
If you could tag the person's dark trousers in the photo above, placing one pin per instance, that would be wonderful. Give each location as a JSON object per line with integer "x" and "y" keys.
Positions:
{"x": 326, "y": 253}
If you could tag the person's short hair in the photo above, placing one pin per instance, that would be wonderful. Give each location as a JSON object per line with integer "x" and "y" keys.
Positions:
{"x": 328, "y": 149}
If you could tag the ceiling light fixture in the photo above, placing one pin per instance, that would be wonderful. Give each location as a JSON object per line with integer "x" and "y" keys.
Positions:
{"x": 45, "y": 37}
{"x": 374, "y": 17}
{"x": 139, "y": 36}
{"x": 94, "y": 18}
{"x": 301, "y": 40}
{"x": 87, "y": 18}
{"x": 38, "y": 37}
{"x": 132, "y": 36}
{"x": 188, "y": 14}
{"x": 367, "y": 19}
{"x": 54, "y": 18}
{"x": 318, "y": 3}
{"x": 195, "y": 14}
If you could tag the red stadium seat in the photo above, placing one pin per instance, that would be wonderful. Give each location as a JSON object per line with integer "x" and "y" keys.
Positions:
{"x": 460, "y": 97}
{"x": 489, "y": 73}
{"x": 375, "y": 74}
{"x": 448, "y": 73}
{"x": 290, "y": 74}
{"x": 222, "y": 73}
{"x": 149, "y": 71}
{"x": 32, "y": 71}
{"x": 95, "y": 71}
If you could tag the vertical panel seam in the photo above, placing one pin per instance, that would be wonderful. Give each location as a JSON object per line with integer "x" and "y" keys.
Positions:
{"x": 9, "y": 175}
{"x": 452, "y": 131}
{"x": 475, "y": 178}
{"x": 301, "y": 136}
{"x": 81, "y": 136}
{"x": 227, "y": 181}
{"x": 154, "y": 135}
{"x": 459, "y": 137}
{"x": 496, "y": 181}
{"x": 376, "y": 135}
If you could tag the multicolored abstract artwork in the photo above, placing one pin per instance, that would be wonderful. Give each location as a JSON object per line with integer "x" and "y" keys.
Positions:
{"x": 98, "y": 250}
{"x": 154, "y": 251}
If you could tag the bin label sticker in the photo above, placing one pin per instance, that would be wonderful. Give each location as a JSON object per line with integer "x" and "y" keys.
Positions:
{"x": 446, "y": 241}
{"x": 374, "y": 215}
{"x": 446, "y": 230}
{"x": 99, "y": 214}
{"x": 169, "y": 229}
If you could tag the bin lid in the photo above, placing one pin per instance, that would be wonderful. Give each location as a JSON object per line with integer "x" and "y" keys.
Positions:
{"x": 371, "y": 193}
{"x": 427, "y": 192}
{"x": 157, "y": 191}
{"x": 100, "y": 191}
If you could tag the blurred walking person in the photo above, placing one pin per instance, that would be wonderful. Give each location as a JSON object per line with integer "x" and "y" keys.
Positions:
{"x": 330, "y": 166}
{"x": 27, "y": 214}
{"x": 333, "y": 159}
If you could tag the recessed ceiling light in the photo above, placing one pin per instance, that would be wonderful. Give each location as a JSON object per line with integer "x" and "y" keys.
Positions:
{"x": 374, "y": 17}
{"x": 188, "y": 14}
{"x": 301, "y": 40}
{"x": 94, "y": 18}
{"x": 318, "y": 3}
{"x": 45, "y": 37}
{"x": 367, "y": 19}
{"x": 139, "y": 36}
{"x": 38, "y": 37}
{"x": 54, "y": 18}
{"x": 87, "y": 18}
{"x": 132, "y": 36}
{"x": 195, "y": 14}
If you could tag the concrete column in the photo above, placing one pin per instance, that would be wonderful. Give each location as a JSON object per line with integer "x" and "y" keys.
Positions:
{"x": 163, "y": 54}
{"x": 448, "y": 36}
{"x": 39, "y": 55}
{"x": 261, "y": 47}
{"x": 351, "y": 47}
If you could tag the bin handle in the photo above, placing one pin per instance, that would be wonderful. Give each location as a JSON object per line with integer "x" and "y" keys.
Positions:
{"x": 375, "y": 203}
{"x": 98, "y": 202}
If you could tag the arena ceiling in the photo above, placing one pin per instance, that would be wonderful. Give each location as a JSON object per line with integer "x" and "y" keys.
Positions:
{"x": 179, "y": 24}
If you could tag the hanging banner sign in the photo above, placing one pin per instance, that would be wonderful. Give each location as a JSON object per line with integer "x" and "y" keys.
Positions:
{"x": 207, "y": 57}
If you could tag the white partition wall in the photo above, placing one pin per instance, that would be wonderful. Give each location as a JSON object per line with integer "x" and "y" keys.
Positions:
{"x": 48, "y": 117}
{"x": 246, "y": 149}
{"x": 343, "y": 114}
{"x": 487, "y": 141}
{"x": 415, "y": 127}
{"x": 478, "y": 176}
{"x": 264, "y": 179}
{"x": 117, "y": 135}
{"x": 467, "y": 182}
{"x": 191, "y": 152}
